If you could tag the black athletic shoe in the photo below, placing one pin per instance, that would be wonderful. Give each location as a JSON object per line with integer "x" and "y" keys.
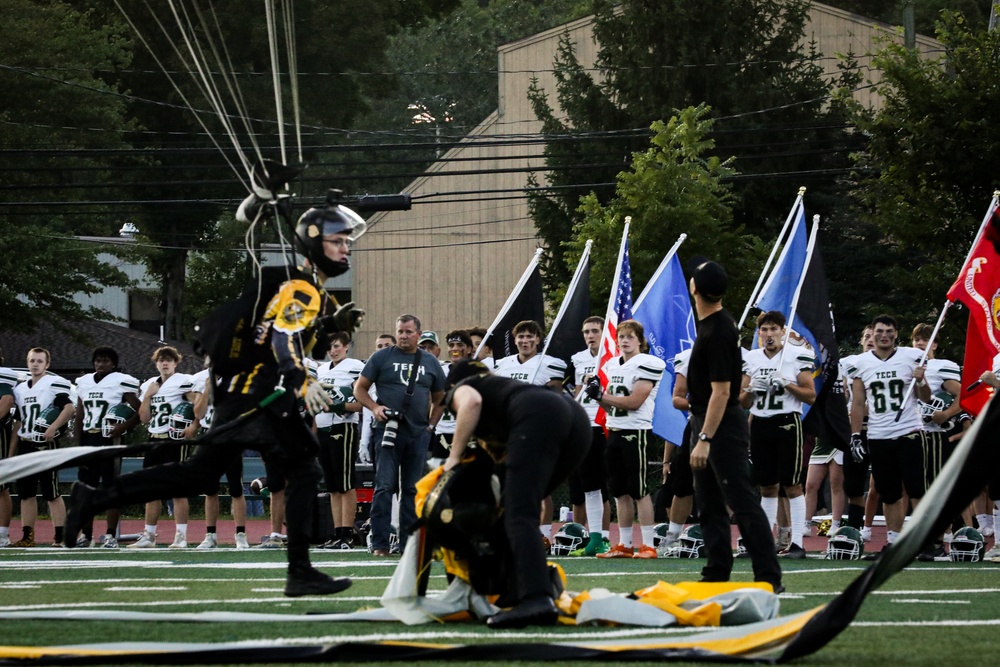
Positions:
{"x": 536, "y": 610}
{"x": 874, "y": 555}
{"x": 81, "y": 511}
{"x": 932, "y": 554}
{"x": 792, "y": 551}
{"x": 313, "y": 582}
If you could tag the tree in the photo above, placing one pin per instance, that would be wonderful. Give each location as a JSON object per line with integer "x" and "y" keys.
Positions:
{"x": 931, "y": 165}
{"x": 63, "y": 122}
{"x": 676, "y": 186}
{"x": 743, "y": 59}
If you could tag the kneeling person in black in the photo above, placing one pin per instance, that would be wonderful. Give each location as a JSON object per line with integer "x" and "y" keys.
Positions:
{"x": 542, "y": 436}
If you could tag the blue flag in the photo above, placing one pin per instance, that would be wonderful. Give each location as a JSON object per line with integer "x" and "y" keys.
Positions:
{"x": 664, "y": 310}
{"x": 779, "y": 290}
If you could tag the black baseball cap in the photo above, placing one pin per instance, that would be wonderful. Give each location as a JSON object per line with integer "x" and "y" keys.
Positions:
{"x": 710, "y": 278}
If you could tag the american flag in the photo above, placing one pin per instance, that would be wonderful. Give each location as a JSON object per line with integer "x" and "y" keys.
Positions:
{"x": 619, "y": 310}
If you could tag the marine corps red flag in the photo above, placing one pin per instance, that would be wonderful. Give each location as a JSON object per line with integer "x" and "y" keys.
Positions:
{"x": 978, "y": 289}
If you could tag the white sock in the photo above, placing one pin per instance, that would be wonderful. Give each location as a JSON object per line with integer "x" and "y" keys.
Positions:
{"x": 890, "y": 536}
{"x": 4, "y": 531}
{"x": 606, "y": 534}
{"x": 625, "y": 536}
{"x": 834, "y": 525}
{"x": 182, "y": 528}
{"x": 594, "y": 503}
{"x": 797, "y": 511}
{"x": 983, "y": 520}
{"x": 770, "y": 506}
{"x": 648, "y": 532}
{"x": 151, "y": 529}
{"x": 546, "y": 530}
{"x": 676, "y": 528}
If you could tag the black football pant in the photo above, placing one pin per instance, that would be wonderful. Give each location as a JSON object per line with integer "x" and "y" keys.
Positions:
{"x": 727, "y": 480}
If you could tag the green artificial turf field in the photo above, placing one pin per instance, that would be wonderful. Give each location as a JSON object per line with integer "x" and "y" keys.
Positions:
{"x": 924, "y": 616}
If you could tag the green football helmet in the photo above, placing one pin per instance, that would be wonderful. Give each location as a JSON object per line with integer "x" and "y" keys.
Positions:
{"x": 117, "y": 414}
{"x": 691, "y": 542}
{"x": 180, "y": 419}
{"x": 44, "y": 420}
{"x": 660, "y": 532}
{"x": 967, "y": 545}
{"x": 941, "y": 400}
{"x": 570, "y": 537}
{"x": 340, "y": 396}
{"x": 845, "y": 543}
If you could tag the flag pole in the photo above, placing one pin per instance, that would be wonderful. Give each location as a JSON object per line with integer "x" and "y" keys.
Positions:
{"x": 510, "y": 299}
{"x": 660, "y": 269}
{"x": 613, "y": 345}
{"x": 571, "y": 290}
{"x": 774, "y": 251}
{"x": 798, "y": 290}
{"x": 947, "y": 302}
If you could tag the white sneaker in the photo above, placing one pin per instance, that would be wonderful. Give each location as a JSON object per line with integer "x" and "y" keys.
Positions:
{"x": 992, "y": 553}
{"x": 667, "y": 543}
{"x": 109, "y": 542}
{"x": 241, "y": 541}
{"x": 145, "y": 541}
{"x": 82, "y": 542}
{"x": 180, "y": 542}
{"x": 210, "y": 541}
{"x": 271, "y": 542}
{"x": 4, "y": 541}
{"x": 866, "y": 534}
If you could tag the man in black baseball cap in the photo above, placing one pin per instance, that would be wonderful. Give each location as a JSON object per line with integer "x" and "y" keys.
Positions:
{"x": 709, "y": 278}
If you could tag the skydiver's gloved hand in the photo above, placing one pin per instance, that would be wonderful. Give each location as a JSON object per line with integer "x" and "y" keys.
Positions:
{"x": 315, "y": 397}
{"x": 594, "y": 390}
{"x": 347, "y": 318}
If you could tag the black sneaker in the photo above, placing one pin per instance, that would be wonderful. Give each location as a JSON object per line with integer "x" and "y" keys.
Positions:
{"x": 313, "y": 582}
{"x": 792, "y": 551}
{"x": 932, "y": 554}
{"x": 874, "y": 555}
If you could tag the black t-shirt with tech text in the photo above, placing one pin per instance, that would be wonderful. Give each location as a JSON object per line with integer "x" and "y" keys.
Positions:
{"x": 715, "y": 357}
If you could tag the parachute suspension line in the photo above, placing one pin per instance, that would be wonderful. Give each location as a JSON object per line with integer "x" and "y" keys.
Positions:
{"x": 204, "y": 80}
{"x": 177, "y": 89}
{"x": 227, "y": 71}
{"x": 248, "y": 242}
{"x": 293, "y": 72}
{"x": 272, "y": 42}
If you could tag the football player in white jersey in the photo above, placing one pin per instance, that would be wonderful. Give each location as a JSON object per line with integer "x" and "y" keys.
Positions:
{"x": 477, "y": 334}
{"x": 534, "y": 368}
{"x": 879, "y": 382}
{"x": 460, "y": 347}
{"x": 160, "y": 397}
{"x": 8, "y": 380}
{"x": 204, "y": 410}
{"x": 528, "y": 365}
{"x": 777, "y": 382}
{"x": 944, "y": 381}
{"x": 677, "y": 462}
{"x": 633, "y": 380}
{"x": 97, "y": 393}
{"x": 856, "y": 471}
{"x": 588, "y": 482}
{"x": 338, "y": 434}
{"x": 39, "y": 395}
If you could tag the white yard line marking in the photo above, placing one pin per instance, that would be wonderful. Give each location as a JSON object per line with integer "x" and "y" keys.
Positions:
{"x": 179, "y": 603}
{"x": 935, "y": 602}
{"x": 146, "y": 588}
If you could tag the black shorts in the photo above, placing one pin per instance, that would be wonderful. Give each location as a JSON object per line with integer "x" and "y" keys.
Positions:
{"x": 899, "y": 463}
{"x": 591, "y": 474}
{"x": 4, "y": 445}
{"x": 234, "y": 479}
{"x": 46, "y": 483}
{"x": 101, "y": 473}
{"x": 275, "y": 474}
{"x": 936, "y": 452}
{"x": 166, "y": 451}
{"x": 627, "y": 458}
{"x": 681, "y": 477}
{"x": 776, "y": 448}
{"x": 440, "y": 445}
{"x": 338, "y": 452}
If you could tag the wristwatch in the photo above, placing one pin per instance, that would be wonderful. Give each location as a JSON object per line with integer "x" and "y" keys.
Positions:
{"x": 704, "y": 437}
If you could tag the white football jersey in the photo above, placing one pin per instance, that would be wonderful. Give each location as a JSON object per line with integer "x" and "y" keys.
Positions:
{"x": 8, "y": 380}
{"x": 539, "y": 370}
{"x": 99, "y": 397}
{"x": 622, "y": 376}
{"x": 756, "y": 363}
{"x": 885, "y": 386}
{"x": 198, "y": 381}
{"x": 171, "y": 394}
{"x": 31, "y": 398}
{"x": 344, "y": 374}
{"x": 584, "y": 364}
{"x": 937, "y": 373}
{"x": 681, "y": 362}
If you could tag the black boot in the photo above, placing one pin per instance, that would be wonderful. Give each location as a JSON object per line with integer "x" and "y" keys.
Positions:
{"x": 307, "y": 580}
{"x": 534, "y": 610}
